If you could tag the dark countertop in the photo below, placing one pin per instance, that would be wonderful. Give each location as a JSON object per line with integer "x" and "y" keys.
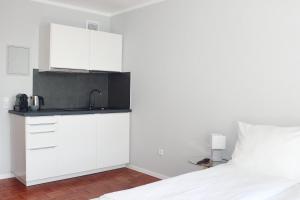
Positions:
{"x": 52, "y": 112}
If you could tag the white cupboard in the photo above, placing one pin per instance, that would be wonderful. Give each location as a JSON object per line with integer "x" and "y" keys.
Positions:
{"x": 77, "y": 144}
{"x": 41, "y": 163}
{"x": 41, "y": 144}
{"x": 106, "y": 51}
{"x": 52, "y": 148}
{"x": 113, "y": 141}
{"x": 65, "y": 47}
{"x": 69, "y": 47}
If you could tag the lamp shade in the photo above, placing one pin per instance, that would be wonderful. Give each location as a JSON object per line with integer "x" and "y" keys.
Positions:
{"x": 218, "y": 141}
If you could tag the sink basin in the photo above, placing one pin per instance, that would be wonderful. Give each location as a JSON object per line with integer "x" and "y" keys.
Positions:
{"x": 72, "y": 109}
{"x": 76, "y": 109}
{"x": 83, "y": 109}
{"x": 99, "y": 108}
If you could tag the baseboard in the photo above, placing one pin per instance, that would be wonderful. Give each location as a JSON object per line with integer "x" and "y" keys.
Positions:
{"x": 68, "y": 176}
{"x": 133, "y": 167}
{"x": 6, "y": 176}
{"x": 148, "y": 172}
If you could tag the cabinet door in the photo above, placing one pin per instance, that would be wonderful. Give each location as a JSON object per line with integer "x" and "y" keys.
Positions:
{"x": 69, "y": 47}
{"x": 113, "y": 139}
{"x": 41, "y": 163}
{"x": 78, "y": 150}
{"x": 106, "y": 51}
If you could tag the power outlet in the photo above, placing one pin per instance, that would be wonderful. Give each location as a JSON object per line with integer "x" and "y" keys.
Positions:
{"x": 161, "y": 152}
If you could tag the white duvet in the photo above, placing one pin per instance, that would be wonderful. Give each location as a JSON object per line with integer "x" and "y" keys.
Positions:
{"x": 225, "y": 182}
{"x": 292, "y": 193}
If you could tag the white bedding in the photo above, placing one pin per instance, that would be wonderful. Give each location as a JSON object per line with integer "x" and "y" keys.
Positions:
{"x": 293, "y": 193}
{"x": 224, "y": 182}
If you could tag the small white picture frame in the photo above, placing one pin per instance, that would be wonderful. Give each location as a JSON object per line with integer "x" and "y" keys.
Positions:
{"x": 18, "y": 60}
{"x": 92, "y": 25}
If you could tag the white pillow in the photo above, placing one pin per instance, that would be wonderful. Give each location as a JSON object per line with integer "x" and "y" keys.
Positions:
{"x": 271, "y": 150}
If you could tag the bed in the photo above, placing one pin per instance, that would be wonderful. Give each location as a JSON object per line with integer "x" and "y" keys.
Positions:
{"x": 246, "y": 177}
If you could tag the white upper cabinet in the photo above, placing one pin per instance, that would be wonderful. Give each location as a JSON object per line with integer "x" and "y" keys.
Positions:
{"x": 64, "y": 47}
{"x": 106, "y": 51}
{"x": 69, "y": 47}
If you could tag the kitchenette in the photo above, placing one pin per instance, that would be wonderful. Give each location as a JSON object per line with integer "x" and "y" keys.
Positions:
{"x": 77, "y": 120}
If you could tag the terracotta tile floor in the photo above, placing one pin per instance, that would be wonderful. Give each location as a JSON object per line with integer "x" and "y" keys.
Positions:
{"x": 81, "y": 188}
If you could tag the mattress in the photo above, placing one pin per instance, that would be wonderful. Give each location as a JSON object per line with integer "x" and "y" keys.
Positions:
{"x": 224, "y": 182}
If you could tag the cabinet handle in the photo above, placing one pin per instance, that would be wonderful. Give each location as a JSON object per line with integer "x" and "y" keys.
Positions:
{"x": 41, "y": 132}
{"x": 41, "y": 148}
{"x": 41, "y": 124}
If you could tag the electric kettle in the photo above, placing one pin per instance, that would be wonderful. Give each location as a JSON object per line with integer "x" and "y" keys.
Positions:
{"x": 36, "y": 103}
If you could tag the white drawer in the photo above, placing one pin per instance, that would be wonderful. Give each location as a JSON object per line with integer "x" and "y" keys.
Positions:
{"x": 41, "y": 163}
{"x": 37, "y": 140}
{"x": 40, "y": 128}
{"x": 41, "y": 120}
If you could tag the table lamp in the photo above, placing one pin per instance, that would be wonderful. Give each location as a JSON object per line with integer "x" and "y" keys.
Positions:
{"x": 218, "y": 144}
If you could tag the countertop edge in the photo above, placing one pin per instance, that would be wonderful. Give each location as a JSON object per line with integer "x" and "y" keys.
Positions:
{"x": 54, "y": 113}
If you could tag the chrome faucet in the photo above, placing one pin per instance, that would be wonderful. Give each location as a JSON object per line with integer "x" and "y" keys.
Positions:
{"x": 92, "y": 104}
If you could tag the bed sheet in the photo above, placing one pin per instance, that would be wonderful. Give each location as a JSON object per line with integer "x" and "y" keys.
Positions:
{"x": 224, "y": 182}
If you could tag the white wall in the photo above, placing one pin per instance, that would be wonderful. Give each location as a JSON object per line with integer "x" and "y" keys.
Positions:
{"x": 198, "y": 66}
{"x": 19, "y": 22}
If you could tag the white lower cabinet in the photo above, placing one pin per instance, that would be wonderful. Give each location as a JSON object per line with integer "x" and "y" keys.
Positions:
{"x": 41, "y": 163}
{"x": 113, "y": 139}
{"x": 41, "y": 148}
{"x": 77, "y": 143}
{"x": 60, "y": 147}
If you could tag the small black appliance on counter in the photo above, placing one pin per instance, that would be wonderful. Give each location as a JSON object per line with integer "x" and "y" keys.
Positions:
{"x": 21, "y": 104}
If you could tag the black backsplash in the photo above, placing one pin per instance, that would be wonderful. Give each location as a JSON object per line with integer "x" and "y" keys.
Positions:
{"x": 71, "y": 90}
{"x": 119, "y": 90}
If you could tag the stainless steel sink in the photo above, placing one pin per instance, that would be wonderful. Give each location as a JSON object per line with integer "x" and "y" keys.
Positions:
{"x": 82, "y": 109}
{"x": 76, "y": 109}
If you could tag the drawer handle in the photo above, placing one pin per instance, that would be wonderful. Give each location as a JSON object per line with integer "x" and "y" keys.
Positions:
{"x": 41, "y": 132}
{"x": 41, "y": 124}
{"x": 41, "y": 148}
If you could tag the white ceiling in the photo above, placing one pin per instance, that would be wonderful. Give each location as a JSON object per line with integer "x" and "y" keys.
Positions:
{"x": 103, "y": 7}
